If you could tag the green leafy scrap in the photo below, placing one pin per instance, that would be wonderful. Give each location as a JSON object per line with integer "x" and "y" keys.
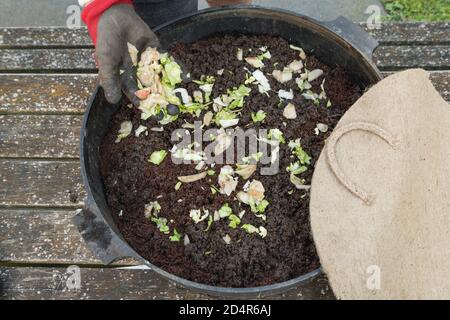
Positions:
{"x": 158, "y": 157}
{"x": 176, "y": 237}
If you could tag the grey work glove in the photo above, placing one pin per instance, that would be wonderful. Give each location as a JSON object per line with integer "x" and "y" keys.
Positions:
{"x": 117, "y": 26}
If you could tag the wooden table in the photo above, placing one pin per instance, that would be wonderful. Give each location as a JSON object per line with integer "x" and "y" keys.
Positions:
{"x": 47, "y": 75}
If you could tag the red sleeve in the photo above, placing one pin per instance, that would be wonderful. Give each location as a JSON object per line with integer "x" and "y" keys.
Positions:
{"x": 93, "y": 11}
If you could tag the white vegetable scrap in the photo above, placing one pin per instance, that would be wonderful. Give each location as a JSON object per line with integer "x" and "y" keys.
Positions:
{"x": 149, "y": 69}
{"x": 187, "y": 154}
{"x": 263, "y": 82}
{"x": 303, "y": 84}
{"x": 302, "y": 52}
{"x": 320, "y": 127}
{"x": 286, "y": 95}
{"x": 289, "y": 112}
{"x": 200, "y": 165}
{"x": 193, "y": 178}
{"x": 314, "y": 74}
{"x": 246, "y": 186}
{"x": 196, "y": 215}
{"x": 245, "y": 170}
{"x": 151, "y": 106}
{"x": 255, "y": 157}
{"x": 253, "y": 195}
{"x": 254, "y": 62}
{"x": 309, "y": 95}
{"x": 157, "y": 129}
{"x": 152, "y": 209}
{"x": 139, "y": 130}
{"x": 295, "y": 66}
{"x": 298, "y": 183}
{"x": 265, "y": 55}
{"x": 275, "y": 154}
{"x": 125, "y": 129}
{"x": 218, "y": 101}
{"x": 207, "y": 118}
{"x": 207, "y": 87}
{"x": 229, "y": 123}
{"x": 227, "y": 182}
{"x": 149, "y": 56}
{"x": 133, "y": 51}
{"x": 186, "y": 240}
{"x": 227, "y": 239}
{"x": 250, "y": 229}
{"x": 223, "y": 142}
{"x": 198, "y": 96}
{"x": 262, "y": 232}
{"x": 282, "y": 76}
{"x": 322, "y": 94}
{"x": 256, "y": 190}
{"x": 185, "y": 97}
{"x": 240, "y": 54}
{"x": 276, "y": 137}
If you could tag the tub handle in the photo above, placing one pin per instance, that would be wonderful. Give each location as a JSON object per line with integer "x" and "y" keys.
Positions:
{"x": 354, "y": 34}
{"x": 97, "y": 234}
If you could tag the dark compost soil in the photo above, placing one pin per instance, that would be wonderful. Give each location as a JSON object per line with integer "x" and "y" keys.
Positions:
{"x": 130, "y": 182}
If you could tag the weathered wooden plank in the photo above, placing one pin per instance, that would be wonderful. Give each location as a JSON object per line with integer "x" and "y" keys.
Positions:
{"x": 403, "y": 57}
{"x": 42, "y": 236}
{"x": 35, "y": 136}
{"x": 389, "y": 33}
{"x": 44, "y": 37}
{"x": 50, "y": 283}
{"x": 50, "y": 237}
{"x": 40, "y": 183}
{"x": 80, "y": 60}
{"x": 57, "y": 136}
{"x": 411, "y": 33}
{"x": 47, "y": 60}
{"x": 56, "y": 94}
{"x": 45, "y": 93}
{"x": 441, "y": 80}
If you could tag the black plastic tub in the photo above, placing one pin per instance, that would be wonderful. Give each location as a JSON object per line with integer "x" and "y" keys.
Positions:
{"x": 335, "y": 43}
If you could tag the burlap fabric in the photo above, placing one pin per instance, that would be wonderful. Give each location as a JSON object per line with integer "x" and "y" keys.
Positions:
{"x": 380, "y": 196}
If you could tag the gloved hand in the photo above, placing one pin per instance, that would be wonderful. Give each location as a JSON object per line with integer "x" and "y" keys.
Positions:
{"x": 117, "y": 26}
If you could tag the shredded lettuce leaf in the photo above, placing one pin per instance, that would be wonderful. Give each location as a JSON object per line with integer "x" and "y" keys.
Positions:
{"x": 172, "y": 73}
{"x": 301, "y": 154}
{"x": 225, "y": 211}
{"x": 224, "y": 114}
{"x": 125, "y": 129}
{"x": 296, "y": 168}
{"x": 277, "y": 135}
{"x": 158, "y": 157}
{"x": 237, "y": 95}
{"x": 258, "y": 208}
{"x": 161, "y": 224}
{"x": 210, "y": 222}
{"x": 249, "y": 228}
{"x": 258, "y": 116}
{"x": 176, "y": 237}
{"x": 234, "y": 221}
